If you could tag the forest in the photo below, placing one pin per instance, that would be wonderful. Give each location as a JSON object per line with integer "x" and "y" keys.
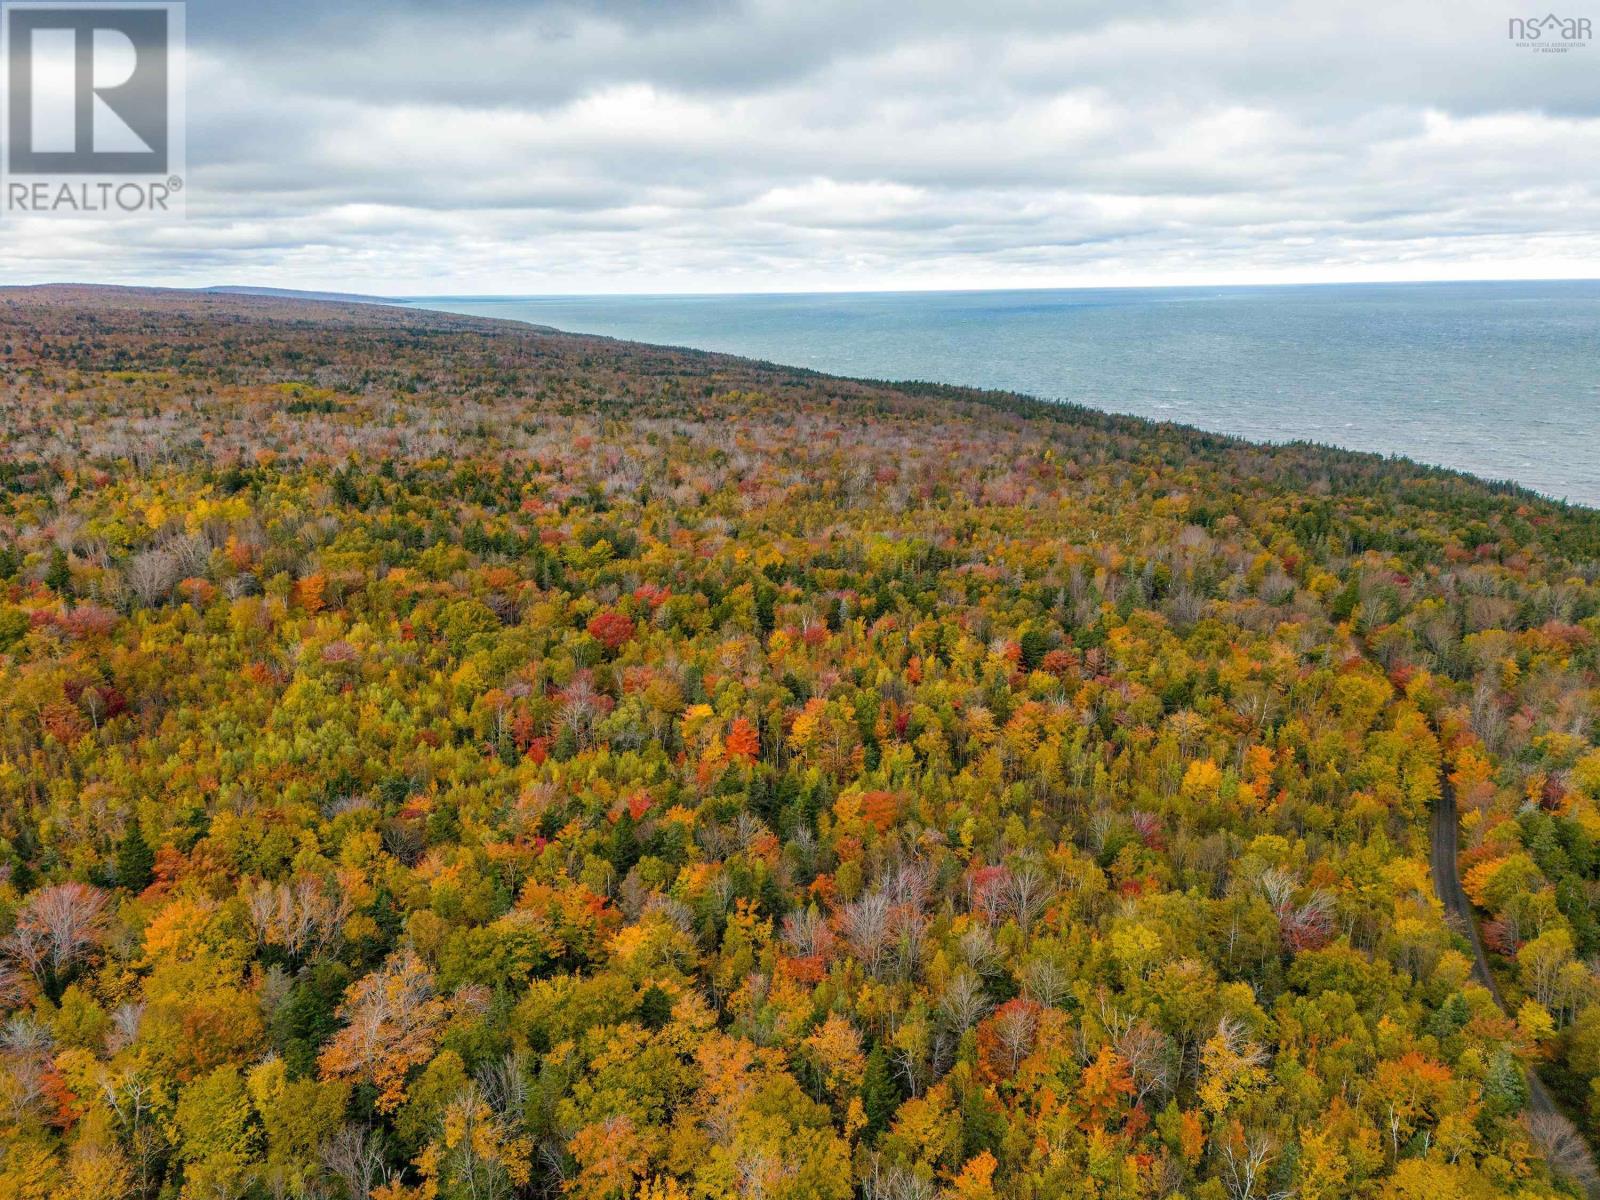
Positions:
{"x": 443, "y": 759}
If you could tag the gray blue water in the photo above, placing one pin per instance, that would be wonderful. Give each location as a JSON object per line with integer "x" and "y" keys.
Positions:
{"x": 1500, "y": 379}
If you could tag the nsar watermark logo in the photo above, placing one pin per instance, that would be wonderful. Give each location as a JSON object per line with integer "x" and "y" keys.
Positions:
{"x": 94, "y": 109}
{"x": 1550, "y": 34}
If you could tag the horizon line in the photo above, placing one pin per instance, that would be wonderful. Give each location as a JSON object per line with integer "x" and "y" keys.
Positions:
{"x": 941, "y": 291}
{"x": 412, "y": 297}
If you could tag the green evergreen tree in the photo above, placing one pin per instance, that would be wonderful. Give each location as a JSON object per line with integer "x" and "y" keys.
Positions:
{"x": 879, "y": 1095}
{"x": 135, "y": 860}
{"x": 655, "y": 1007}
{"x": 59, "y": 577}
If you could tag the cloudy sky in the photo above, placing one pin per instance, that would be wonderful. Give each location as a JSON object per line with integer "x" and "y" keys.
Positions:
{"x": 508, "y": 147}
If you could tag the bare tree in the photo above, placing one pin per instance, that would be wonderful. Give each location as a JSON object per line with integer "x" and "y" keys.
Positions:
{"x": 1014, "y": 1028}
{"x": 896, "y": 1182}
{"x": 1031, "y": 894}
{"x": 56, "y": 929}
{"x": 152, "y": 574}
{"x": 978, "y": 949}
{"x": 504, "y": 1085}
{"x": 304, "y": 917}
{"x": 125, "y": 1021}
{"x": 27, "y": 1064}
{"x": 354, "y": 1155}
{"x": 1278, "y": 886}
{"x": 865, "y": 926}
{"x": 1564, "y": 1148}
{"x": 134, "y": 1102}
{"x": 1148, "y": 1053}
{"x": 963, "y": 1002}
{"x": 806, "y": 933}
{"x": 1044, "y": 982}
{"x": 13, "y": 985}
{"x": 1246, "y": 1158}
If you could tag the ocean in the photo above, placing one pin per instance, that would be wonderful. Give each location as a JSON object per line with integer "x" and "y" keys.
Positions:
{"x": 1499, "y": 379}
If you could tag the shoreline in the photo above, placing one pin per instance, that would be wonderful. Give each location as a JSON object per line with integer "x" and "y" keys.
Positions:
{"x": 1506, "y": 484}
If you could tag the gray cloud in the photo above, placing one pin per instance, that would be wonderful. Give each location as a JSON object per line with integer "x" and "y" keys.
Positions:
{"x": 483, "y": 146}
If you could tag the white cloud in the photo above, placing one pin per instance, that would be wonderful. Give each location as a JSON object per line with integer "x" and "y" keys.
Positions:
{"x": 494, "y": 147}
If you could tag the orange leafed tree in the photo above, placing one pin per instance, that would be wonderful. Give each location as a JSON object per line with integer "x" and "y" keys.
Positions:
{"x": 743, "y": 742}
{"x": 308, "y": 592}
{"x": 392, "y": 1022}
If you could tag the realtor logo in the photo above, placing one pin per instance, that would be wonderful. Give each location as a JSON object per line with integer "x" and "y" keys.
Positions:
{"x": 1550, "y": 34}
{"x": 94, "y": 107}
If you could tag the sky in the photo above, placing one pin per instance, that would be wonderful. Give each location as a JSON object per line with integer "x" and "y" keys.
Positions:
{"x": 508, "y": 147}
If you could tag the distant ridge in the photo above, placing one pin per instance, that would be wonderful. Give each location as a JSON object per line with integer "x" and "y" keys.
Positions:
{"x": 297, "y": 294}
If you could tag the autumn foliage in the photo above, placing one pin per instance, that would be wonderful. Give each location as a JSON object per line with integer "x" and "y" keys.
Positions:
{"x": 443, "y": 759}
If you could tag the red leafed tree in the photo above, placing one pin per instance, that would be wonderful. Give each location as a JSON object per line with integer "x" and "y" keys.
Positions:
{"x": 1006, "y": 1038}
{"x": 743, "y": 741}
{"x": 1308, "y": 926}
{"x": 611, "y": 629}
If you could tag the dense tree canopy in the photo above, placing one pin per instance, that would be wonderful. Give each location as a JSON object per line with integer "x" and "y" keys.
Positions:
{"x": 447, "y": 759}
